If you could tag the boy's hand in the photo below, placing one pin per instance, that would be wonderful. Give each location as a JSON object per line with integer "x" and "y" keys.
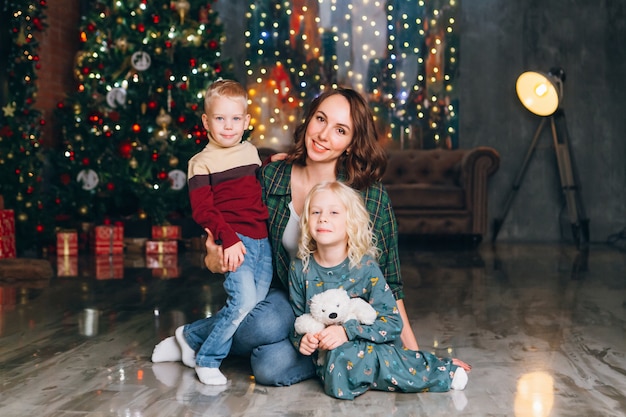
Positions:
{"x": 332, "y": 337}
{"x": 233, "y": 256}
{"x": 308, "y": 344}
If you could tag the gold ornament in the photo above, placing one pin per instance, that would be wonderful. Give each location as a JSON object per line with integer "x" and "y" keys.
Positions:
{"x": 142, "y": 215}
{"x": 83, "y": 210}
{"x": 163, "y": 119}
{"x": 144, "y": 107}
{"x": 183, "y": 7}
{"x": 158, "y": 50}
{"x": 173, "y": 161}
{"x": 23, "y": 217}
{"x": 133, "y": 163}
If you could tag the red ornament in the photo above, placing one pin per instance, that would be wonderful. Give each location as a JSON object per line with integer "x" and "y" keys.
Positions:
{"x": 42, "y": 122}
{"x": 152, "y": 104}
{"x": 110, "y": 186}
{"x": 60, "y": 105}
{"x": 95, "y": 118}
{"x": 213, "y": 44}
{"x": 194, "y": 107}
{"x": 86, "y": 161}
{"x": 125, "y": 149}
{"x": 181, "y": 119}
{"x": 168, "y": 44}
{"x": 40, "y": 228}
{"x": 192, "y": 62}
{"x": 141, "y": 27}
{"x": 29, "y": 189}
{"x": 162, "y": 175}
{"x": 136, "y": 128}
{"x": 156, "y": 18}
{"x": 218, "y": 68}
{"x": 65, "y": 178}
{"x": 91, "y": 27}
{"x": 155, "y": 156}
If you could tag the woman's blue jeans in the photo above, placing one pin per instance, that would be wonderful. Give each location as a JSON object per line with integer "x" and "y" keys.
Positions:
{"x": 264, "y": 336}
{"x": 211, "y": 339}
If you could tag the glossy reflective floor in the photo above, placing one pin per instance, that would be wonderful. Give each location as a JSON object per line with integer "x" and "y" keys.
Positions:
{"x": 544, "y": 327}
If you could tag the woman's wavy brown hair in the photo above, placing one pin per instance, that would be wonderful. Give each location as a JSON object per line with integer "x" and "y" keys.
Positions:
{"x": 365, "y": 160}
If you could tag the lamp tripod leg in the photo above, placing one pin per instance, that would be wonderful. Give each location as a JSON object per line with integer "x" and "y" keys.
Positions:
{"x": 498, "y": 221}
{"x": 570, "y": 183}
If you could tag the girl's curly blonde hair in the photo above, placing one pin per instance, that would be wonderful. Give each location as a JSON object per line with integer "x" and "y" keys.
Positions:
{"x": 361, "y": 238}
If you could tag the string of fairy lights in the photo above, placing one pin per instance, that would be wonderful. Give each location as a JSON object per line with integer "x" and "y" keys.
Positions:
{"x": 401, "y": 54}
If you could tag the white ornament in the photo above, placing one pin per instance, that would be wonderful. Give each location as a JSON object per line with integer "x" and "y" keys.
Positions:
{"x": 89, "y": 178}
{"x": 140, "y": 60}
{"x": 178, "y": 178}
{"x": 116, "y": 97}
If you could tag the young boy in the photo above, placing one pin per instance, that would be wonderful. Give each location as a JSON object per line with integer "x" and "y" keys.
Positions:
{"x": 225, "y": 199}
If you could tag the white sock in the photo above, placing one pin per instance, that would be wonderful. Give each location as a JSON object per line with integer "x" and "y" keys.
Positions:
{"x": 459, "y": 380}
{"x": 188, "y": 355}
{"x": 211, "y": 376}
{"x": 168, "y": 350}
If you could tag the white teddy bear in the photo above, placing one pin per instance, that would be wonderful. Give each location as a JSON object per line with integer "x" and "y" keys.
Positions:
{"x": 334, "y": 307}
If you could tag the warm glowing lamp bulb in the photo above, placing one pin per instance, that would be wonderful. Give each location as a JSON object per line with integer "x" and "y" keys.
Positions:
{"x": 540, "y": 93}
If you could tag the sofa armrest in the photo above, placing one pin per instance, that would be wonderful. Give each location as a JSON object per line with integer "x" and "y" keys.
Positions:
{"x": 476, "y": 166}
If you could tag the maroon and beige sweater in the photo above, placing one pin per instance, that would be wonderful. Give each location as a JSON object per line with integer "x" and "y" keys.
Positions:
{"x": 225, "y": 192}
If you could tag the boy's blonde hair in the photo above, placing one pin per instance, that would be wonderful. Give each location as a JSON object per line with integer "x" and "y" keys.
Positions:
{"x": 361, "y": 238}
{"x": 225, "y": 88}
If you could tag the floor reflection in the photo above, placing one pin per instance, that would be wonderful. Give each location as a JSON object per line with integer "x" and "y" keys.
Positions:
{"x": 544, "y": 327}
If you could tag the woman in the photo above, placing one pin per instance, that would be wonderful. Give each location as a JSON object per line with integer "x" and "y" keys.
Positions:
{"x": 337, "y": 141}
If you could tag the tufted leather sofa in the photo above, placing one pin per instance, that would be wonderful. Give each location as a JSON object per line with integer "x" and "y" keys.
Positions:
{"x": 441, "y": 192}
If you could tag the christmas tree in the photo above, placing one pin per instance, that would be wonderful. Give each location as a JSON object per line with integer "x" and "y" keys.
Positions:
{"x": 21, "y": 158}
{"x": 134, "y": 120}
{"x": 400, "y": 54}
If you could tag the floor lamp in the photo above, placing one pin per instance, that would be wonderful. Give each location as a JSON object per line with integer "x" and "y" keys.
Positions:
{"x": 541, "y": 93}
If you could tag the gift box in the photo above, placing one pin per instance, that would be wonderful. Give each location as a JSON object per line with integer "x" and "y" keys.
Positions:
{"x": 108, "y": 239}
{"x": 109, "y": 267}
{"x": 166, "y": 232}
{"x": 7, "y": 234}
{"x": 161, "y": 260}
{"x": 67, "y": 266}
{"x": 161, "y": 246}
{"x": 67, "y": 242}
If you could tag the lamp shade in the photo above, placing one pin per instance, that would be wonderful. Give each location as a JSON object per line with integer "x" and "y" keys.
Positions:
{"x": 540, "y": 93}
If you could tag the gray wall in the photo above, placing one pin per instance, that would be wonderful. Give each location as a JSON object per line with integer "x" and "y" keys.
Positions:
{"x": 500, "y": 39}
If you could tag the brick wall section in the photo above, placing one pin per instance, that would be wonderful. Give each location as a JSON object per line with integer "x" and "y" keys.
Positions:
{"x": 57, "y": 47}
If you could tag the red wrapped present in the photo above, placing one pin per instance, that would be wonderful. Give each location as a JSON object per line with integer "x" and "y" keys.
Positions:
{"x": 109, "y": 267}
{"x": 161, "y": 246}
{"x": 67, "y": 266}
{"x": 108, "y": 239}
{"x": 161, "y": 260}
{"x": 172, "y": 272}
{"x": 166, "y": 232}
{"x": 7, "y": 234}
{"x": 67, "y": 242}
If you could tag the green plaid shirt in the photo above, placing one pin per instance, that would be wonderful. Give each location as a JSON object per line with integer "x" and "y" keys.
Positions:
{"x": 275, "y": 181}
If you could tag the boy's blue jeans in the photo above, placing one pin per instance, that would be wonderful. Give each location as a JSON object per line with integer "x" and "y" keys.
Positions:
{"x": 211, "y": 338}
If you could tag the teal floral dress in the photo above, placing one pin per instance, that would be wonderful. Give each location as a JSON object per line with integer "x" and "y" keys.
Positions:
{"x": 373, "y": 356}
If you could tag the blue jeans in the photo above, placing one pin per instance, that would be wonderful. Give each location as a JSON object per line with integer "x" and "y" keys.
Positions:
{"x": 211, "y": 339}
{"x": 264, "y": 336}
